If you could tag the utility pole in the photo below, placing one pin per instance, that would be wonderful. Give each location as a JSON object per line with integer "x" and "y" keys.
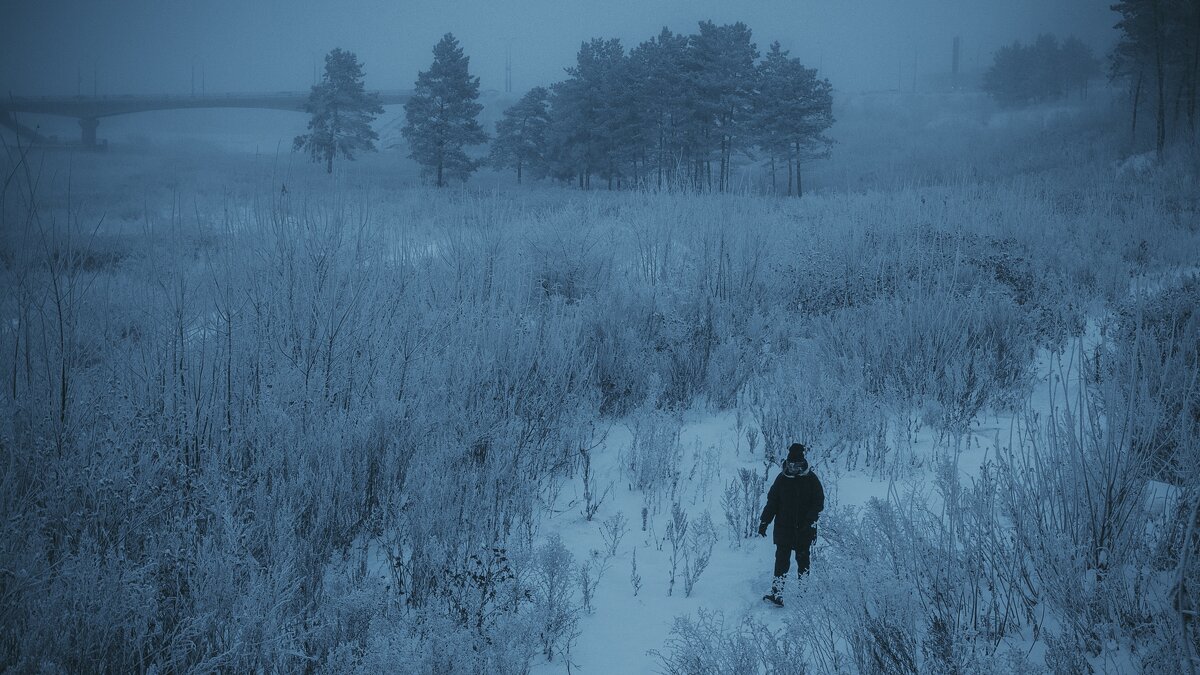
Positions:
{"x": 78, "y": 82}
{"x": 95, "y": 80}
{"x": 193, "y": 80}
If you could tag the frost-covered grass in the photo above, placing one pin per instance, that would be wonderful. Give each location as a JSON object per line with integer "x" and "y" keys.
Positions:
{"x": 363, "y": 425}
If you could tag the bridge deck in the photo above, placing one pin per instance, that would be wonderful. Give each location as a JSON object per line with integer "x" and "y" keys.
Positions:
{"x": 94, "y": 107}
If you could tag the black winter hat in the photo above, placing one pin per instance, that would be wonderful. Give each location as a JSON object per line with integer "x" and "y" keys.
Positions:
{"x": 796, "y": 452}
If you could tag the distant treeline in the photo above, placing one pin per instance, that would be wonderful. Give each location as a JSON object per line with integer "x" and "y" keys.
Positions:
{"x": 673, "y": 111}
{"x": 1044, "y": 70}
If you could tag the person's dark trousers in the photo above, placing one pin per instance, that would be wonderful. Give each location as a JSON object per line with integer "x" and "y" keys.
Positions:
{"x": 783, "y": 557}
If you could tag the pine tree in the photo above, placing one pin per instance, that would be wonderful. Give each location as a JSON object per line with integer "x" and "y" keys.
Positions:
{"x": 723, "y": 75}
{"x": 661, "y": 92}
{"x": 1079, "y": 64}
{"x": 583, "y": 110}
{"x": 341, "y": 110}
{"x": 441, "y": 115}
{"x": 1160, "y": 42}
{"x": 793, "y": 108}
{"x": 521, "y": 135}
{"x": 1044, "y": 70}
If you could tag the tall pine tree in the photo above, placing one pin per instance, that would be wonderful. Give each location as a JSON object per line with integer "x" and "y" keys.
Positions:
{"x": 661, "y": 93}
{"x": 342, "y": 112}
{"x": 521, "y": 135}
{"x": 441, "y": 115}
{"x": 723, "y": 73}
{"x": 793, "y": 108}
{"x": 583, "y": 110}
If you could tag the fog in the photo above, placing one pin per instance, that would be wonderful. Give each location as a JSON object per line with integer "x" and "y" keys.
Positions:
{"x": 150, "y": 46}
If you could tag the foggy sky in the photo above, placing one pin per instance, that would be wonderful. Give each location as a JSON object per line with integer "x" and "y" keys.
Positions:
{"x": 155, "y": 46}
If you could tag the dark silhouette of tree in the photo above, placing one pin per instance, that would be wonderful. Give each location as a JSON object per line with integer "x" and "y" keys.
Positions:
{"x": 721, "y": 66}
{"x": 341, "y": 112}
{"x": 1079, "y": 65}
{"x": 1044, "y": 70}
{"x": 1160, "y": 42}
{"x": 673, "y": 109}
{"x": 661, "y": 92}
{"x": 520, "y": 142}
{"x": 582, "y": 109}
{"x": 793, "y": 109}
{"x": 441, "y": 115}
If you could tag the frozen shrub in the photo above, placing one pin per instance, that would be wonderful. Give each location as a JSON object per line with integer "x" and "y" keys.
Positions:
{"x": 676, "y": 535}
{"x": 482, "y": 591}
{"x": 1155, "y": 343}
{"x": 591, "y": 571}
{"x": 706, "y": 645}
{"x": 653, "y": 458}
{"x": 635, "y": 579}
{"x": 742, "y": 503}
{"x": 612, "y": 530}
{"x": 555, "y": 613}
{"x": 701, "y": 539}
{"x": 591, "y": 498}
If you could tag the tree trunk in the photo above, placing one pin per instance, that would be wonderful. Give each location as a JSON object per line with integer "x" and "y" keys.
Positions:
{"x": 799, "y": 187}
{"x": 772, "y": 174}
{"x": 518, "y": 171}
{"x": 329, "y": 162}
{"x": 1195, "y": 72}
{"x": 1137, "y": 96}
{"x": 661, "y": 157}
{"x": 789, "y": 163}
{"x": 720, "y": 178}
{"x": 1160, "y": 118}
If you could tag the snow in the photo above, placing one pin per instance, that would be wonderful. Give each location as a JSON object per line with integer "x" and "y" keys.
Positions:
{"x": 622, "y": 631}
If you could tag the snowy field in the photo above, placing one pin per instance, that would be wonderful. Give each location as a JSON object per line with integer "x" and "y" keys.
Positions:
{"x": 261, "y": 419}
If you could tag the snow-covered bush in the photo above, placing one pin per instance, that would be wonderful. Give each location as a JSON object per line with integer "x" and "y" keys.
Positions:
{"x": 676, "y": 535}
{"x": 591, "y": 571}
{"x": 652, "y": 462}
{"x": 612, "y": 530}
{"x": 742, "y": 503}
{"x": 1073, "y": 492}
{"x": 706, "y": 644}
{"x": 702, "y": 537}
{"x": 1155, "y": 342}
{"x": 556, "y": 614}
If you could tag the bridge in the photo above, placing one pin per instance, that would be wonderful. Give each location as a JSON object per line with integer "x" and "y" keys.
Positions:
{"x": 90, "y": 109}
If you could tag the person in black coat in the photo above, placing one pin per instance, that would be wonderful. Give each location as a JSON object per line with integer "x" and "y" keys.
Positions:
{"x": 794, "y": 502}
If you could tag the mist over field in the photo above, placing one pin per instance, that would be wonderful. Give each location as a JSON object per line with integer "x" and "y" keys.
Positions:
{"x": 549, "y": 337}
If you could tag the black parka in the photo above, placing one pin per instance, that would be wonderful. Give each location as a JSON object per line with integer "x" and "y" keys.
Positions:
{"x": 794, "y": 504}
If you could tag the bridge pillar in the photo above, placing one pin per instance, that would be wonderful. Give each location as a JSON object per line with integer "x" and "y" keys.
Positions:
{"x": 88, "y": 125}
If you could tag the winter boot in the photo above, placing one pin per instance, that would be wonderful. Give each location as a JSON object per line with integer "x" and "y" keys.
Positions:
{"x": 776, "y": 595}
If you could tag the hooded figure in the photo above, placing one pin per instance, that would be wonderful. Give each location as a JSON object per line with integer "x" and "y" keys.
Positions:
{"x": 794, "y": 502}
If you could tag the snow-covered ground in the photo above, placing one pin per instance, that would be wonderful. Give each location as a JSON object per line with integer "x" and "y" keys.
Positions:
{"x": 624, "y": 630}
{"x": 918, "y": 236}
